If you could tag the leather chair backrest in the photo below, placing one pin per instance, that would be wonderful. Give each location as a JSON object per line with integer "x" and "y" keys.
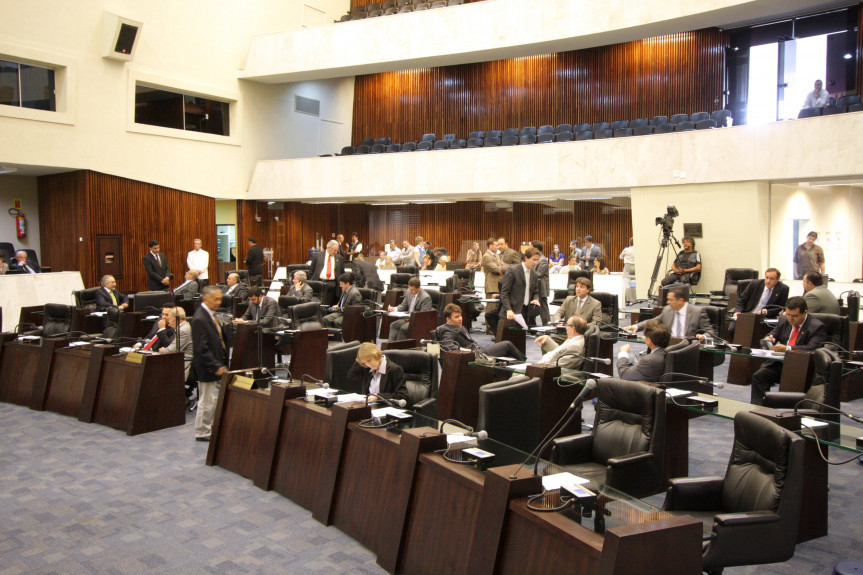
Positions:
{"x": 591, "y": 341}
{"x": 509, "y": 412}
{"x": 286, "y": 302}
{"x": 733, "y": 277}
{"x": 306, "y": 316}
{"x": 227, "y": 304}
{"x": 400, "y": 280}
{"x": 609, "y": 306}
{"x": 412, "y": 270}
{"x": 244, "y": 275}
{"x": 837, "y": 328}
{"x": 421, "y": 372}
{"x": 291, "y": 268}
{"x": 574, "y": 275}
{"x": 759, "y": 465}
{"x": 340, "y": 358}
{"x": 716, "y": 315}
{"x": 681, "y": 357}
{"x": 826, "y": 382}
{"x": 57, "y": 319}
{"x": 115, "y": 324}
{"x": 86, "y": 297}
{"x": 436, "y": 297}
{"x": 317, "y": 289}
{"x": 630, "y": 417}
{"x": 464, "y": 274}
{"x": 370, "y": 294}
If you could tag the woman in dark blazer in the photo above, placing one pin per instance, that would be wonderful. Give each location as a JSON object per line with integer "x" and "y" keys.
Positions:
{"x": 301, "y": 290}
{"x": 371, "y": 363}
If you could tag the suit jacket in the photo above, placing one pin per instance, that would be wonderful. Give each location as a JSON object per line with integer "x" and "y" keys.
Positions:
{"x": 591, "y": 311}
{"x": 651, "y": 367}
{"x": 187, "y": 290}
{"x": 811, "y": 336}
{"x": 451, "y": 338}
{"x": 588, "y": 255}
{"x": 564, "y": 354}
{"x": 750, "y": 297}
{"x": 103, "y": 298}
{"x": 209, "y": 355}
{"x": 269, "y": 310}
{"x": 821, "y": 300}
{"x": 513, "y": 288}
{"x": 696, "y": 320}
{"x": 543, "y": 273}
{"x": 304, "y": 294}
{"x": 511, "y": 257}
{"x": 349, "y": 298}
{"x": 15, "y": 267}
{"x": 319, "y": 264}
{"x": 491, "y": 270}
{"x": 239, "y": 293}
{"x": 187, "y": 346}
{"x": 392, "y": 382}
{"x": 367, "y": 274}
{"x": 255, "y": 260}
{"x": 424, "y": 301}
{"x": 156, "y": 271}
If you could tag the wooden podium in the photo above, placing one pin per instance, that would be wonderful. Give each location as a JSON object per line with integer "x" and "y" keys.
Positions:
{"x": 516, "y": 336}
{"x": 245, "y": 354}
{"x": 458, "y": 393}
{"x": 24, "y": 371}
{"x": 73, "y": 368}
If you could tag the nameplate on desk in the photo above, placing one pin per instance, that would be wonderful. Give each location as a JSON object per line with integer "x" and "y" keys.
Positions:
{"x": 134, "y": 357}
{"x": 243, "y": 382}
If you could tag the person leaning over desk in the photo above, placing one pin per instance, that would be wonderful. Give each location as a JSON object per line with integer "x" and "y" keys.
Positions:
{"x": 377, "y": 375}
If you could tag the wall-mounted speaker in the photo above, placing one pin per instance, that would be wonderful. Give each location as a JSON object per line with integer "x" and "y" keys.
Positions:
{"x": 120, "y": 37}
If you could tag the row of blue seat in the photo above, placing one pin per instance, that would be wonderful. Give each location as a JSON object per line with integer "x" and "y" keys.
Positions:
{"x": 842, "y": 105}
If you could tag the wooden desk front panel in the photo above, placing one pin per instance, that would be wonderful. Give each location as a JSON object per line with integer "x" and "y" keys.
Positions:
{"x": 442, "y": 518}
{"x": 117, "y": 392}
{"x": 369, "y": 460}
{"x": 242, "y": 426}
{"x": 18, "y": 372}
{"x": 301, "y": 447}
{"x": 67, "y": 381}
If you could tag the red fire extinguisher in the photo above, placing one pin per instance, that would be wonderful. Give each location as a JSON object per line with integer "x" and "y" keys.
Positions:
{"x": 21, "y": 225}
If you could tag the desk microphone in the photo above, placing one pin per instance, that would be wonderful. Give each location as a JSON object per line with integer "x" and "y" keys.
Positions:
{"x": 308, "y": 378}
{"x": 617, "y": 328}
{"x": 398, "y": 403}
{"x": 595, "y": 360}
{"x": 693, "y": 379}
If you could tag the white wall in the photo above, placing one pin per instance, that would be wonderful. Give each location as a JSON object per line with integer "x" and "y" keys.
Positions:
{"x": 734, "y": 220}
{"x": 193, "y": 46}
{"x": 835, "y": 212}
{"x": 23, "y": 188}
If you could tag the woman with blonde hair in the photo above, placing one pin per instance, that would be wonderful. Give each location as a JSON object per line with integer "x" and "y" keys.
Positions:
{"x": 377, "y": 376}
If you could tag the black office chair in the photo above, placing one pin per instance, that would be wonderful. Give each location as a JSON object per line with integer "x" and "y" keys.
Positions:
{"x": 547, "y": 129}
{"x": 115, "y": 321}
{"x": 808, "y": 113}
{"x": 526, "y": 140}
{"x": 476, "y": 134}
{"x": 412, "y": 270}
{"x": 339, "y": 360}
{"x": 678, "y": 118}
{"x": 400, "y": 281}
{"x": 57, "y": 320}
{"x": 494, "y": 133}
{"x": 583, "y": 127}
{"x": 581, "y": 136}
{"x": 625, "y": 448}
{"x": 754, "y": 511}
{"x": 293, "y": 268}
{"x": 623, "y": 132}
{"x": 699, "y": 116}
{"x": 837, "y": 330}
{"x": 286, "y": 302}
{"x": 441, "y": 145}
{"x": 603, "y": 134}
{"x": 545, "y": 139}
{"x": 619, "y": 125}
{"x": 681, "y": 365}
{"x": 721, "y": 117}
{"x": 474, "y": 143}
{"x": 317, "y": 289}
{"x": 639, "y": 123}
{"x": 561, "y": 128}
{"x": 663, "y": 128}
{"x": 509, "y": 141}
{"x": 849, "y": 100}
{"x": 509, "y": 412}
{"x": 421, "y": 377}
{"x": 560, "y": 295}
{"x": 609, "y": 306}
{"x": 707, "y": 124}
{"x": 491, "y": 142}
{"x": 642, "y": 130}
{"x": 228, "y": 305}
{"x": 86, "y": 298}
{"x": 685, "y": 126}
{"x": 409, "y": 147}
{"x": 733, "y": 277}
{"x": 306, "y": 316}
{"x": 716, "y": 315}
{"x": 393, "y": 148}
{"x": 659, "y": 120}
{"x": 592, "y": 338}
{"x": 826, "y": 388}
{"x": 458, "y": 143}
{"x": 243, "y": 274}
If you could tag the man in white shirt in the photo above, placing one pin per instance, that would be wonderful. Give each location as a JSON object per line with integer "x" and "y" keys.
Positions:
{"x": 569, "y": 354}
{"x": 682, "y": 319}
{"x": 393, "y": 251}
{"x": 198, "y": 261}
{"x": 817, "y": 98}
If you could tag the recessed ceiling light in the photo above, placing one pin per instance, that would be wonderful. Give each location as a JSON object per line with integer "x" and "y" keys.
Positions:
{"x": 7, "y": 170}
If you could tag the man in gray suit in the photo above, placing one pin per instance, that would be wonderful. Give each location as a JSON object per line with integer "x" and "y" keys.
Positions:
{"x": 684, "y": 320}
{"x": 262, "y": 309}
{"x": 567, "y": 355}
{"x": 350, "y": 296}
{"x": 544, "y": 281}
{"x": 417, "y": 299}
{"x": 580, "y": 304}
{"x": 189, "y": 288}
{"x": 652, "y": 366}
{"x": 818, "y": 298}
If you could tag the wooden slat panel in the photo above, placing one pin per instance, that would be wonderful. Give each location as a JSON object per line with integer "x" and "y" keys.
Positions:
{"x": 678, "y": 73}
{"x": 86, "y": 204}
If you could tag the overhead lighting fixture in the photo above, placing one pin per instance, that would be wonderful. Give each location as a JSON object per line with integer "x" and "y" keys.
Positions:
{"x": 271, "y": 203}
{"x": 435, "y": 202}
{"x": 847, "y": 56}
{"x": 390, "y": 204}
{"x": 7, "y": 170}
{"x": 587, "y": 198}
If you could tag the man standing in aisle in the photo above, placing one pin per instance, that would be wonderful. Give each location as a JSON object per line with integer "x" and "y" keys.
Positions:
{"x": 326, "y": 267}
{"x": 255, "y": 262}
{"x": 210, "y": 359}
{"x": 808, "y": 257}
{"x": 544, "y": 282}
{"x": 519, "y": 288}
{"x": 507, "y": 255}
{"x": 198, "y": 260}
{"x": 355, "y": 248}
{"x": 156, "y": 265}
{"x": 589, "y": 252}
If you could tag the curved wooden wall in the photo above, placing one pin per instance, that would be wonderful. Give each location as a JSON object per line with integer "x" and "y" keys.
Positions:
{"x": 679, "y": 73}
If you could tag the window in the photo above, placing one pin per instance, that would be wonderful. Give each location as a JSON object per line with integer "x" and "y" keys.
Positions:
{"x": 27, "y": 86}
{"x": 158, "y": 107}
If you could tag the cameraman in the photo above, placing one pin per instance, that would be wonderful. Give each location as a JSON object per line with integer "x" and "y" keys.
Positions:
{"x": 686, "y": 264}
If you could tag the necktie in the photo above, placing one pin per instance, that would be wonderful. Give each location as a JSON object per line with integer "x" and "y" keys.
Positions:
{"x": 793, "y": 339}
{"x": 113, "y": 299}
{"x": 413, "y": 303}
{"x": 526, "y": 287}
{"x": 150, "y": 343}
{"x": 27, "y": 269}
{"x": 219, "y": 329}
{"x": 342, "y": 300}
{"x": 578, "y": 307}
{"x": 329, "y": 267}
{"x": 765, "y": 297}
{"x": 678, "y": 323}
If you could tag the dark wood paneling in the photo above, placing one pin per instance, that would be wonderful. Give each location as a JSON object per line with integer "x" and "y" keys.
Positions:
{"x": 678, "y": 73}
{"x": 85, "y": 204}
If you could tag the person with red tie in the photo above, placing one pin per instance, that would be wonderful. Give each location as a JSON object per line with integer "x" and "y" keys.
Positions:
{"x": 797, "y": 330}
{"x": 328, "y": 266}
{"x": 156, "y": 266}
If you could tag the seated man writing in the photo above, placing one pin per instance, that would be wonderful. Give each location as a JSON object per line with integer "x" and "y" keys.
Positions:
{"x": 453, "y": 336}
{"x": 652, "y": 366}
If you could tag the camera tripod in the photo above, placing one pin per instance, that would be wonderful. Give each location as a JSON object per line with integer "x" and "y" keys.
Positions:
{"x": 663, "y": 251}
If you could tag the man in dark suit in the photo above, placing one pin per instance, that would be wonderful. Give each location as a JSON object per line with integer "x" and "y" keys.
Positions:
{"x": 684, "y": 320}
{"x": 766, "y": 297}
{"x": 417, "y": 299}
{"x": 796, "y": 330}
{"x": 108, "y": 295}
{"x": 210, "y": 359}
{"x": 234, "y": 288}
{"x": 161, "y": 334}
{"x": 453, "y": 336}
{"x": 156, "y": 265}
{"x": 366, "y": 274}
{"x": 377, "y": 375}
{"x": 519, "y": 288}
{"x": 350, "y": 296}
{"x": 262, "y": 309}
{"x": 22, "y": 264}
{"x": 255, "y": 262}
{"x": 544, "y": 282}
{"x": 652, "y": 366}
{"x": 326, "y": 266}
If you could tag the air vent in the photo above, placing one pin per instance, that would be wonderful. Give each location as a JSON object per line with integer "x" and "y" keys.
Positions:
{"x": 305, "y": 105}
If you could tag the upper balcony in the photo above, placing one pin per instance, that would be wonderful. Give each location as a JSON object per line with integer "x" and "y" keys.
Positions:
{"x": 490, "y": 30}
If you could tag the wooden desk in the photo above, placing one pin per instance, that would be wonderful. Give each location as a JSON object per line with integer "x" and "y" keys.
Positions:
{"x": 748, "y": 332}
{"x": 554, "y": 400}
{"x": 458, "y": 392}
{"x": 356, "y": 326}
{"x": 516, "y": 336}
{"x": 24, "y": 371}
{"x": 73, "y": 368}
{"x": 140, "y": 397}
{"x": 309, "y": 353}
{"x": 245, "y": 354}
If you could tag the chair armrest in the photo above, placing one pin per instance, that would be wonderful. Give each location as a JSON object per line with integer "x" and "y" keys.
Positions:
{"x": 635, "y": 474}
{"x": 782, "y": 399}
{"x": 572, "y": 449}
{"x": 424, "y": 404}
{"x": 694, "y": 494}
{"x": 639, "y": 457}
{"x": 751, "y": 518}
